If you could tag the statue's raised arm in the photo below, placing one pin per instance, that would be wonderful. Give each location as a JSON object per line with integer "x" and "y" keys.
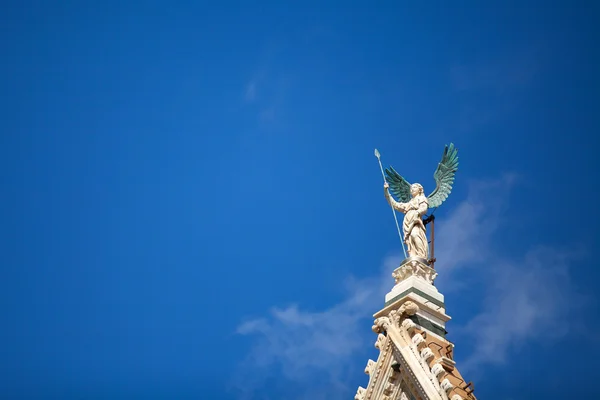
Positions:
{"x": 398, "y": 206}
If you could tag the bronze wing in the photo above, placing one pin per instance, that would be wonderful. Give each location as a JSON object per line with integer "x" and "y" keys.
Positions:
{"x": 444, "y": 176}
{"x": 398, "y": 185}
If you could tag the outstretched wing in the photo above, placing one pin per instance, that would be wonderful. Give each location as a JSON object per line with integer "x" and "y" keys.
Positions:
{"x": 398, "y": 185}
{"x": 444, "y": 176}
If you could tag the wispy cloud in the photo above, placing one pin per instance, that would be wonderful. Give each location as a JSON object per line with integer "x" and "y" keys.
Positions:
{"x": 303, "y": 344}
{"x": 524, "y": 298}
{"x": 266, "y": 93}
{"x": 266, "y": 89}
{"x": 527, "y": 299}
{"x": 464, "y": 236}
{"x": 527, "y": 296}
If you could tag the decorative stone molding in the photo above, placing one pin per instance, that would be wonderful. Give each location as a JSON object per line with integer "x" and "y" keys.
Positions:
{"x": 395, "y": 317}
{"x": 381, "y": 324}
{"x": 418, "y": 340}
{"x": 450, "y": 351}
{"x": 379, "y": 371}
{"x": 427, "y": 354}
{"x": 411, "y": 377}
{"x": 389, "y": 388}
{"x": 408, "y": 308}
{"x": 437, "y": 370}
{"x": 447, "y": 363}
{"x": 370, "y": 366}
{"x": 414, "y": 266}
{"x": 379, "y": 342}
{"x": 446, "y": 385}
{"x": 409, "y": 325}
{"x": 456, "y": 397}
{"x": 360, "y": 393}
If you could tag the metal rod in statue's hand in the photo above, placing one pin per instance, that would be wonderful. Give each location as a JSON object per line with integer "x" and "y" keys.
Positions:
{"x": 393, "y": 211}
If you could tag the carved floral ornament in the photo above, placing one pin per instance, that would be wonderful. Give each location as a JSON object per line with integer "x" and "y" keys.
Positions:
{"x": 395, "y": 317}
{"x": 446, "y": 385}
{"x": 370, "y": 367}
{"x": 380, "y": 341}
{"x": 414, "y": 267}
{"x": 360, "y": 393}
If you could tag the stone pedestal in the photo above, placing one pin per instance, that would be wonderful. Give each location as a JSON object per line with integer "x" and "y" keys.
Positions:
{"x": 414, "y": 282}
{"x": 414, "y": 266}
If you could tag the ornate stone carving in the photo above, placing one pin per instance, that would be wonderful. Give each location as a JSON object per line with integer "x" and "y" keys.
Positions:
{"x": 379, "y": 342}
{"x": 447, "y": 363}
{"x": 394, "y": 317}
{"x": 414, "y": 266}
{"x": 418, "y": 340}
{"x": 370, "y": 366}
{"x": 437, "y": 370}
{"x": 389, "y": 388}
{"x": 426, "y": 353}
{"x": 381, "y": 324}
{"x": 446, "y": 385}
{"x": 379, "y": 368}
{"x": 408, "y": 308}
{"x": 360, "y": 393}
{"x": 409, "y": 325}
{"x": 411, "y": 383}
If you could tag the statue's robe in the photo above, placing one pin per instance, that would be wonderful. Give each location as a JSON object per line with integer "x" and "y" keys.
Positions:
{"x": 413, "y": 227}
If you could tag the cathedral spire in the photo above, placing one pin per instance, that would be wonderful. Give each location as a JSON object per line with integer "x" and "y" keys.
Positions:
{"x": 415, "y": 359}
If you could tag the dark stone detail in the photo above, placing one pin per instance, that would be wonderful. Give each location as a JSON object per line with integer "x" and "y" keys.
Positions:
{"x": 427, "y": 324}
{"x": 417, "y": 291}
{"x": 419, "y": 259}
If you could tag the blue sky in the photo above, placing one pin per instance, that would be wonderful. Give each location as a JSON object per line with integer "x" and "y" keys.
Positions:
{"x": 192, "y": 209}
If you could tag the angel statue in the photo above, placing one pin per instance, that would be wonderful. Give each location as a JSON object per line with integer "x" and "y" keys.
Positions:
{"x": 414, "y": 204}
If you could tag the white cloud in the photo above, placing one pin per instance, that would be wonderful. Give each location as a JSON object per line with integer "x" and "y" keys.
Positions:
{"x": 303, "y": 344}
{"x": 525, "y": 295}
{"x": 527, "y": 299}
{"x": 523, "y": 299}
{"x": 464, "y": 237}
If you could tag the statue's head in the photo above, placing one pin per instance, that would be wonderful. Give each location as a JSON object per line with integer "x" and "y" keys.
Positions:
{"x": 416, "y": 189}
